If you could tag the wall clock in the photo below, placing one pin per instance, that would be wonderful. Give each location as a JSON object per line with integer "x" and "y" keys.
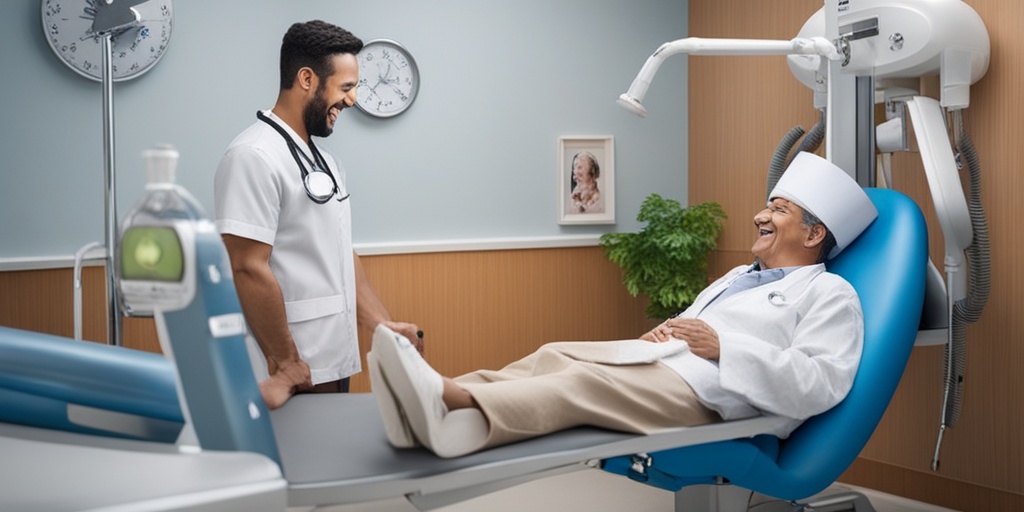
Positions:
{"x": 135, "y": 49}
{"x": 388, "y": 78}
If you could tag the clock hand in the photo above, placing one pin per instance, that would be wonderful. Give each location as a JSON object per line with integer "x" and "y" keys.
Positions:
{"x": 385, "y": 78}
{"x": 366, "y": 82}
{"x": 399, "y": 91}
{"x": 373, "y": 89}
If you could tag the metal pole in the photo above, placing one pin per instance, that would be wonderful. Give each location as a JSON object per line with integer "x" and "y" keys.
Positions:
{"x": 110, "y": 196}
{"x": 865, "y": 131}
{"x": 841, "y": 117}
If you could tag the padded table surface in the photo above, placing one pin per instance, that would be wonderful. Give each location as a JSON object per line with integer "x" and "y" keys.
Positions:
{"x": 334, "y": 450}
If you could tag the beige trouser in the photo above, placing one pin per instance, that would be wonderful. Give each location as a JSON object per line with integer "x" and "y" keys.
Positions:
{"x": 549, "y": 391}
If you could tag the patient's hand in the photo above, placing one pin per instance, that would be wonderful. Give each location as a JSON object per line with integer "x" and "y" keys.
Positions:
{"x": 702, "y": 339}
{"x": 659, "y": 334}
{"x": 286, "y": 380}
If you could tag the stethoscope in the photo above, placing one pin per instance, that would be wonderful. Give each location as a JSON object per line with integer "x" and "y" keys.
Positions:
{"x": 319, "y": 182}
{"x": 775, "y": 298}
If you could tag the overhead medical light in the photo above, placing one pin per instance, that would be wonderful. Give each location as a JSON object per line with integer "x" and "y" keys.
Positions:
{"x": 633, "y": 99}
{"x": 908, "y": 39}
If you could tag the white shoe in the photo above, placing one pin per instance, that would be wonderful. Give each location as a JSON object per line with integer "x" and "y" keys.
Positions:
{"x": 418, "y": 390}
{"x": 395, "y": 424}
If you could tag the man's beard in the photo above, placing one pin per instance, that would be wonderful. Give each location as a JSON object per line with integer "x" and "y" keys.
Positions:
{"x": 315, "y": 117}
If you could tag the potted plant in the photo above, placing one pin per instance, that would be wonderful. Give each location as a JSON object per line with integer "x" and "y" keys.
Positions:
{"x": 667, "y": 259}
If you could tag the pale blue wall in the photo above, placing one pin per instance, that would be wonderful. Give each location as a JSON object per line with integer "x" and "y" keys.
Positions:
{"x": 474, "y": 158}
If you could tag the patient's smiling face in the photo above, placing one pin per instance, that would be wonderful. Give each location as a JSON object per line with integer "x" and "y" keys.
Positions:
{"x": 782, "y": 237}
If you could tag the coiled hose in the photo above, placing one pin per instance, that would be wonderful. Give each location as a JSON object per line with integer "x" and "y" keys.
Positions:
{"x": 968, "y": 309}
{"x": 815, "y": 136}
{"x": 780, "y": 158}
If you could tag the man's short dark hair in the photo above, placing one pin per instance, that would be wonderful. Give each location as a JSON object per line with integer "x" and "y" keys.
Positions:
{"x": 312, "y": 44}
{"x": 829, "y": 243}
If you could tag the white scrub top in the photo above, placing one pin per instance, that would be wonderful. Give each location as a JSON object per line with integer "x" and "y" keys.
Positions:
{"x": 259, "y": 195}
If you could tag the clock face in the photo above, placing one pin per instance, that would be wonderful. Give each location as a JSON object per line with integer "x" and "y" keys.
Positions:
{"x": 388, "y": 79}
{"x": 67, "y": 25}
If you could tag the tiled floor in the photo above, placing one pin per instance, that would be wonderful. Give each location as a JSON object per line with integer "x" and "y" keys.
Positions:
{"x": 597, "y": 491}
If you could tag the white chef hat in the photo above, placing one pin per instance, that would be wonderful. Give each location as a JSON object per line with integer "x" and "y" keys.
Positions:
{"x": 825, "y": 190}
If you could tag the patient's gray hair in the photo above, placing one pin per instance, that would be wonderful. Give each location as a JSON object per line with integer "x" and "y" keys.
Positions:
{"x": 810, "y": 220}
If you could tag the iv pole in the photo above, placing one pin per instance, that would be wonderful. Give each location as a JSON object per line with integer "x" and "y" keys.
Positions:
{"x": 111, "y": 17}
{"x": 114, "y": 320}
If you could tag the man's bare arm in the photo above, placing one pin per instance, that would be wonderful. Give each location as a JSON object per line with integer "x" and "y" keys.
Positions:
{"x": 263, "y": 305}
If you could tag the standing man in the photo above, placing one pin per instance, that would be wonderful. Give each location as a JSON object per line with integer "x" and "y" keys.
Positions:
{"x": 282, "y": 209}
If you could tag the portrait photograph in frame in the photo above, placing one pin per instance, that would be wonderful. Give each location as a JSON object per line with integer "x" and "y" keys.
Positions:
{"x": 586, "y": 180}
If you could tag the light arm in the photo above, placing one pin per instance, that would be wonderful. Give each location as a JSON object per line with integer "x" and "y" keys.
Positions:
{"x": 633, "y": 98}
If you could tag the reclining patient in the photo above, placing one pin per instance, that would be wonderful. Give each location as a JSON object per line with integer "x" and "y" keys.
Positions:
{"x": 782, "y": 336}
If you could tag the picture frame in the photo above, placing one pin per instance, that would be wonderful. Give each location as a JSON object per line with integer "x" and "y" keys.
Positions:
{"x": 590, "y": 199}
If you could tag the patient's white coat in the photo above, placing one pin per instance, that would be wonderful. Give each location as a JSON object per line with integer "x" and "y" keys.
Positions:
{"x": 790, "y": 347}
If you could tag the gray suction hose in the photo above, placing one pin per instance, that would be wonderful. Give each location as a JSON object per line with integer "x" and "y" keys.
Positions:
{"x": 968, "y": 309}
{"x": 780, "y": 158}
{"x": 815, "y": 137}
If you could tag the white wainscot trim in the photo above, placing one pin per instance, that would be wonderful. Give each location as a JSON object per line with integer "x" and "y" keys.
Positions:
{"x": 96, "y": 257}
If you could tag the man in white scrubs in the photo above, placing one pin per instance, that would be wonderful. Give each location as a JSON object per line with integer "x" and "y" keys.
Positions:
{"x": 282, "y": 208}
{"x": 782, "y": 336}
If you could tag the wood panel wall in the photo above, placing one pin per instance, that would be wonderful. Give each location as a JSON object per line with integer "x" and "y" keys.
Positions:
{"x": 478, "y": 309}
{"x": 43, "y": 301}
{"x": 740, "y": 108}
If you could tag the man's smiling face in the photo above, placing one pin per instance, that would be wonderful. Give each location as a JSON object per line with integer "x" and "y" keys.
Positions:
{"x": 781, "y": 235}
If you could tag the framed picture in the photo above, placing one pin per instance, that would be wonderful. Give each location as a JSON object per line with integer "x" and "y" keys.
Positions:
{"x": 586, "y": 180}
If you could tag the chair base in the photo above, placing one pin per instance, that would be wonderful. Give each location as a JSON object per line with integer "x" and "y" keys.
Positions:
{"x": 729, "y": 498}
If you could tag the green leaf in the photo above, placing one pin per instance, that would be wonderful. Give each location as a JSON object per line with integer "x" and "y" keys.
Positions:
{"x": 667, "y": 259}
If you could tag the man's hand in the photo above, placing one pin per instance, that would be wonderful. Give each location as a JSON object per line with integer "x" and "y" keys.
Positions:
{"x": 410, "y": 331}
{"x": 702, "y": 339}
{"x": 659, "y": 334}
{"x": 286, "y": 378}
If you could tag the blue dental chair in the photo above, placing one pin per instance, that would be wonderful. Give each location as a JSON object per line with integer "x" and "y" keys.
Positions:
{"x": 886, "y": 265}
